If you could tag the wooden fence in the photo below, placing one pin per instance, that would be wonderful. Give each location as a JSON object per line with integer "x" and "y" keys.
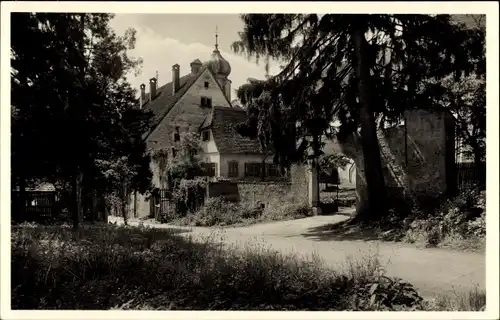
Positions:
{"x": 469, "y": 175}
{"x": 39, "y": 205}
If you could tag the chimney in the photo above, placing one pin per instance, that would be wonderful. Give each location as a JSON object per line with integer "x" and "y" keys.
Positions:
{"x": 196, "y": 66}
{"x": 142, "y": 98}
{"x": 175, "y": 78}
{"x": 152, "y": 89}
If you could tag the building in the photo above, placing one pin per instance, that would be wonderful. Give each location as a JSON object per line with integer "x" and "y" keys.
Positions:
{"x": 200, "y": 101}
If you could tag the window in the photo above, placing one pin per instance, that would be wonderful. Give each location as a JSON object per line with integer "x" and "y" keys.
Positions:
{"x": 206, "y": 135}
{"x": 206, "y": 102}
{"x": 177, "y": 136}
{"x": 206, "y": 84}
{"x": 272, "y": 170}
{"x": 209, "y": 169}
{"x": 174, "y": 152}
{"x": 232, "y": 169}
{"x": 253, "y": 169}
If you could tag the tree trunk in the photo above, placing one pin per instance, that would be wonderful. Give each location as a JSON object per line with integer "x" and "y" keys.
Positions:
{"x": 77, "y": 199}
{"x": 135, "y": 204}
{"x": 94, "y": 207}
{"x": 22, "y": 198}
{"x": 375, "y": 183}
{"x": 481, "y": 170}
{"x": 124, "y": 203}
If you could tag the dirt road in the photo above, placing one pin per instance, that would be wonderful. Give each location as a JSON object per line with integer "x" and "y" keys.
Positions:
{"x": 431, "y": 271}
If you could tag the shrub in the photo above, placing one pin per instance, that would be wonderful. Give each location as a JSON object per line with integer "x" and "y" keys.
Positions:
{"x": 286, "y": 210}
{"x": 458, "y": 222}
{"x": 103, "y": 267}
{"x": 218, "y": 211}
{"x": 189, "y": 195}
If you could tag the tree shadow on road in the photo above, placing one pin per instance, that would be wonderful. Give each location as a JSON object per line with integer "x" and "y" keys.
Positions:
{"x": 341, "y": 232}
{"x": 345, "y": 231}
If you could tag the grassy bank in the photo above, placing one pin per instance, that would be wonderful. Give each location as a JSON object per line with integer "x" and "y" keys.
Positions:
{"x": 110, "y": 267}
{"x": 106, "y": 267}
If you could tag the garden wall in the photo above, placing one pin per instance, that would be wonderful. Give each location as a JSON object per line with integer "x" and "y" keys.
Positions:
{"x": 417, "y": 159}
{"x": 268, "y": 193}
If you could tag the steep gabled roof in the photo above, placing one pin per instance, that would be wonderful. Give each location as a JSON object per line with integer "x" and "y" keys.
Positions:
{"x": 223, "y": 122}
{"x": 166, "y": 99}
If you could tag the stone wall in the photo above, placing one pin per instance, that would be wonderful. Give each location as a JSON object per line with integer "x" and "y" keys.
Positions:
{"x": 251, "y": 193}
{"x": 417, "y": 158}
{"x": 299, "y": 186}
{"x": 269, "y": 194}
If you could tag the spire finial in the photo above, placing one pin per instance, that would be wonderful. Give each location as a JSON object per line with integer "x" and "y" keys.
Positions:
{"x": 216, "y": 38}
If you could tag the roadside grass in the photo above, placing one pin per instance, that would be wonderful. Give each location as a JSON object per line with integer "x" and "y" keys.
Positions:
{"x": 474, "y": 300}
{"x": 115, "y": 267}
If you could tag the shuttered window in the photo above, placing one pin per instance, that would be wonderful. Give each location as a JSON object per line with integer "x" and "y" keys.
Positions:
{"x": 272, "y": 170}
{"x": 253, "y": 169}
{"x": 232, "y": 169}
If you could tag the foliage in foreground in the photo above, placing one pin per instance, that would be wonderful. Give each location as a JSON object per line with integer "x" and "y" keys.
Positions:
{"x": 474, "y": 300}
{"x": 456, "y": 223}
{"x": 103, "y": 267}
{"x": 219, "y": 212}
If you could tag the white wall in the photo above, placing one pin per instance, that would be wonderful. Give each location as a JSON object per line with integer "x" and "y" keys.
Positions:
{"x": 209, "y": 146}
{"x": 347, "y": 175}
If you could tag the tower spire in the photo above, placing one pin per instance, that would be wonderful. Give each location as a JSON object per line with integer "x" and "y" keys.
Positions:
{"x": 216, "y": 38}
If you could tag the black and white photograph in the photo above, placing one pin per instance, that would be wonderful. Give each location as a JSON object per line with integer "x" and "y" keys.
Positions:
{"x": 234, "y": 161}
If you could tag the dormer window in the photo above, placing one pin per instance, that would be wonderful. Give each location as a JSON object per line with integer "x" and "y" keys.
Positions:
{"x": 206, "y": 102}
{"x": 206, "y": 135}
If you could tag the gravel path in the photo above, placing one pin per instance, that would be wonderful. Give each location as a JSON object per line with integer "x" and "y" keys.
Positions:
{"x": 431, "y": 271}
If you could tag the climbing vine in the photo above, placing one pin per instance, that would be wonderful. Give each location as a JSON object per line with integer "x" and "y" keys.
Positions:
{"x": 182, "y": 170}
{"x": 189, "y": 195}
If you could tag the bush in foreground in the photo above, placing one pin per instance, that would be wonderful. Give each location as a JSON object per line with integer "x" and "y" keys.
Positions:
{"x": 103, "y": 267}
{"x": 458, "y": 223}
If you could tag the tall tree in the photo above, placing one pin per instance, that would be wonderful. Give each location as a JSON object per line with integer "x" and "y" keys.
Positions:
{"x": 466, "y": 98}
{"x": 75, "y": 74}
{"x": 349, "y": 67}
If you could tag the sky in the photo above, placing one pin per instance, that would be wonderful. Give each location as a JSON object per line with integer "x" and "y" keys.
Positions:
{"x": 166, "y": 39}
